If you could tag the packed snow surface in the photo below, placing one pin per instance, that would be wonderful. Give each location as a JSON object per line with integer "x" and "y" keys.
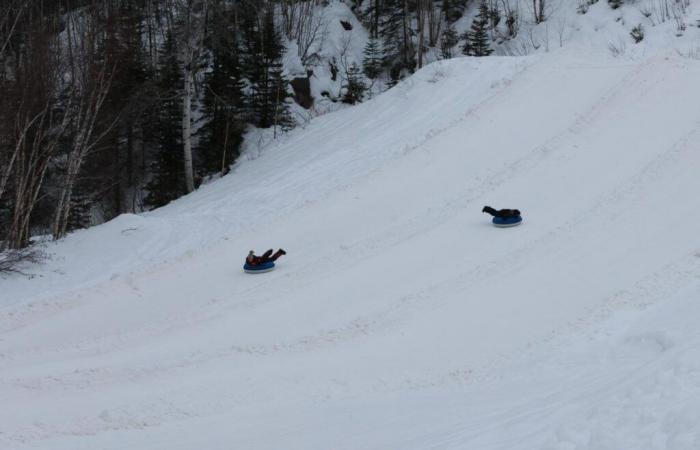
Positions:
{"x": 400, "y": 318}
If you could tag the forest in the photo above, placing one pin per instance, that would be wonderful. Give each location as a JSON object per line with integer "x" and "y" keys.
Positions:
{"x": 121, "y": 106}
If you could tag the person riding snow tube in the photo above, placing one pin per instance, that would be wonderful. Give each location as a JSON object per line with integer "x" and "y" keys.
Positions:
{"x": 261, "y": 264}
{"x": 504, "y": 218}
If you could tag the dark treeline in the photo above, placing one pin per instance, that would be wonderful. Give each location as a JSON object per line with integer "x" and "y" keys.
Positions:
{"x": 401, "y": 31}
{"x": 114, "y": 106}
{"x": 97, "y": 101}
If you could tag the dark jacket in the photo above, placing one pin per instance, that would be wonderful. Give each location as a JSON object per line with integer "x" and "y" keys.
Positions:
{"x": 254, "y": 260}
{"x": 502, "y": 213}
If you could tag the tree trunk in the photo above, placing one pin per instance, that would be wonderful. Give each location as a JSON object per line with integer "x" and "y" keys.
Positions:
{"x": 421, "y": 29}
{"x": 538, "y": 7}
{"x": 406, "y": 35}
{"x": 434, "y": 25}
{"x": 91, "y": 88}
{"x": 187, "y": 129}
{"x": 195, "y": 13}
{"x": 130, "y": 163}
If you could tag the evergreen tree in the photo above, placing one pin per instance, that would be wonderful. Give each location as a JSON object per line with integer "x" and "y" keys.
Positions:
{"x": 355, "y": 86}
{"x": 116, "y": 165}
{"x": 372, "y": 15}
{"x": 448, "y": 40}
{"x": 80, "y": 211}
{"x": 167, "y": 181}
{"x": 478, "y": 41}
{"x": 453, "y": 9}
{"x": 267, "y": 90}
{"x": 391, "y": 30}
{"x": 397, "y": 49}
{"x": 221, "y": 132}
{"x": 372, "y": 62}
{"x": 467, "y": 46}
{"x": 447, "y": 11}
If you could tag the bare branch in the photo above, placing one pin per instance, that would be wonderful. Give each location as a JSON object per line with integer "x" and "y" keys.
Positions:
{"x": 14, "y": 261}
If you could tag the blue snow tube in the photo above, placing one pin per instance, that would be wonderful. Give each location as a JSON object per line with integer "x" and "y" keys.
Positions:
{"x": 260, "y": 268}
{"x": 506, "y": 222}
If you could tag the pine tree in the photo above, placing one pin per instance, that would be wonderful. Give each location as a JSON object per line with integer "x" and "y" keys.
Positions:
{"x": 447, "y": 11}
{"x": 477, "y": 41}
{"x": 448, "y": 40}
{"x": 167, "y": 181}
{"x": 277, "y": 96}
{"x": 373, "y": 13}
{"x": 355, "y": 86}
{"x": 397, "y": 50}
{"x": 372, "y": 62}
{"x": 80, "y": 211}
{"x": 467, "y": 46}
{"x": 263, "y": 51}
{"x": 453, "y": 9}
{"x": 116, "y": 167}
{"x": 390, "y": 31}
{"x": 221, "y": 132}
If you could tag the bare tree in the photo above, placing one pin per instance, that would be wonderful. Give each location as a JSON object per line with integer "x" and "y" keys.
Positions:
{"x": 191, "y": 14}
{"x": 407, "y": 31}
{"x": 435, "y": 17}
{"x": 345, "y": 62}
{"x": 304, "y": 23}
{"x": 421, "y": 7}
{"x": 538, "y": 10}
{"x": 10, "y": 16}
{"x": 24, "y": 123}
{"x": 535, "y": 43}
{"x": 561, "y": 31}
{"x": 91, "y": 81}
{"x": 13, "y": 261}
{"x": 35, "y": 113}
{"x": 428, "y": 17}
{"x": 512, "y": 15}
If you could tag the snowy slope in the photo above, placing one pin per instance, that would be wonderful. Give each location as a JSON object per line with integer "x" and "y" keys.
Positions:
{"x": 591, "y": 25}
{"x": 400, "y": 318}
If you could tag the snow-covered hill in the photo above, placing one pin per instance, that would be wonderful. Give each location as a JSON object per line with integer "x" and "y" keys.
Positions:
{"x": 596, "y": 25}
{"x": 400, "y": 319}
{"x": 575, "y": 25}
